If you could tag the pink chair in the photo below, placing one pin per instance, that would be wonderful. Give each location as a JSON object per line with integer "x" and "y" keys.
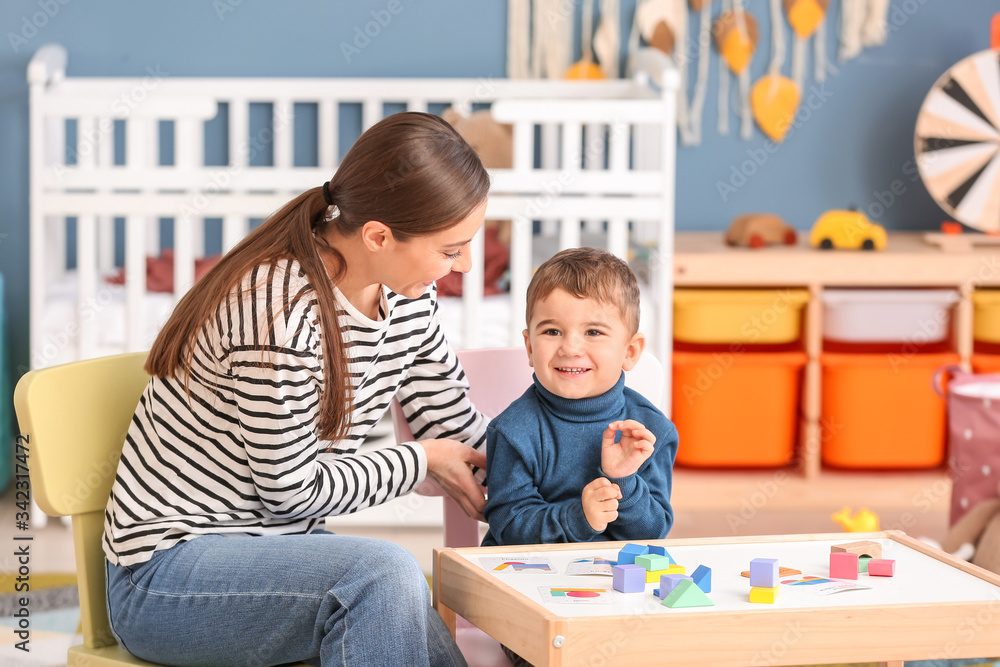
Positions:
{"x": 496, "y": 378}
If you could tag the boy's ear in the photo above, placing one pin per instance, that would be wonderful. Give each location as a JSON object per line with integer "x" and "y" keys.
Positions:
{"x": 527, "y": 347}
{"x": 634, "y": 350}
{"x": 376, "y": 235}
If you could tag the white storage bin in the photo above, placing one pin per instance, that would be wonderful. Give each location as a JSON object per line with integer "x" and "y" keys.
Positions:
{"x": 886, "y": 316}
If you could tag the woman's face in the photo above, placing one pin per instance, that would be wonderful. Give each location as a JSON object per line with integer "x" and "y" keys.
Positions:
{"x": 418, "y": 262}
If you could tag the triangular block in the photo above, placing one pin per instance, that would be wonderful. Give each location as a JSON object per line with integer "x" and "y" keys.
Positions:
{"x": 687, "y": 594}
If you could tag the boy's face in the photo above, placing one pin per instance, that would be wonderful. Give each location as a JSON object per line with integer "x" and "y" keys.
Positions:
{"x": 579, "y": 347}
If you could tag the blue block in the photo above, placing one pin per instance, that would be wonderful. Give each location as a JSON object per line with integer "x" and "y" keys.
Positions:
{"x": 668, "y": 582}
{"x": 628, "y": 578}
{"x": 702, "y": 577}
{"x": 764, "y": 572}
{"x": 661, "y": 551}
{"x": 628, "y": 553}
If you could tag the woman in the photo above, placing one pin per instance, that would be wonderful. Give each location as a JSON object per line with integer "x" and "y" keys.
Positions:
{"x": 266, "y": 379}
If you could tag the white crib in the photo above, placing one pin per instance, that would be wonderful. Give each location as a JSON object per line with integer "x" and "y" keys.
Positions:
{"x": 593, "y": 163}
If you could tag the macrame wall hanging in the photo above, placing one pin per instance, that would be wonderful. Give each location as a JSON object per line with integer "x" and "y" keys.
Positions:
{"x": 540, "y": 45}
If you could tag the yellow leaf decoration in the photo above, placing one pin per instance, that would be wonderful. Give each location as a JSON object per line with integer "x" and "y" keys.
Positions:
{"x": 774, "y": 101}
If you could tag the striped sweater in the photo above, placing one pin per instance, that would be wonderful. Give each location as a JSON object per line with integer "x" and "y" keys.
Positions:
{"x": 240, "y": 453}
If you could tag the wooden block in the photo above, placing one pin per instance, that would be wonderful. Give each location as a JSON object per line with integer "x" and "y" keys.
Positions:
{"x": 676, "y": 569}
{"x": 702, "y": 577}
{"x": 763, "y": 594}
{"x": 862, "y": 548}
{"x": 628, "y": 553}
{"x": 843, "y": 565}
{"x": 782, "y": 572}
{"x": 668, "y": 582}
{"x": 653, "y": 562}
{"x": 660, "y": 551}
{"x": 764, "y": 572}
{"x": 652, "y": 576}
{"x": 687, "y": 594}
{"x": 863, "y": 564}
{"x": 881, "y": 567}
{"x": 628, "y": 578}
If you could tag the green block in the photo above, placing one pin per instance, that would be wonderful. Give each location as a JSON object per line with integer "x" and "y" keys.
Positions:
{"x": 687, "y": 594}
{"x": 863, "y": 563}
{"x": 652, "y": 562}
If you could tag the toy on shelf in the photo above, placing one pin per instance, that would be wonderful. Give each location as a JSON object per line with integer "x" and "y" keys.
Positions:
{"x": 863, "y": 521}
{"x": 847, "y": 229}
{"x": 755, "y": 230}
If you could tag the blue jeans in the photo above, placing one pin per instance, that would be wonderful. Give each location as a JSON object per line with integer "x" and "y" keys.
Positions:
{"x": 241, "y": 600}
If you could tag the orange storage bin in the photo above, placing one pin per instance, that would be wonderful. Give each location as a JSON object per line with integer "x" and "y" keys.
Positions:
{"x": 880, "y": 410}
{"x": 736, "y": 409}
{"x": 986, "y": 363}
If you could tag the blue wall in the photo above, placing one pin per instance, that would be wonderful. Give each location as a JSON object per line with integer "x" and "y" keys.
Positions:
{"x": 853, "y": 145}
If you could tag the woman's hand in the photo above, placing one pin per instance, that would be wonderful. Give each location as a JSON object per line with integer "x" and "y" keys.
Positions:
{"x": 450, "y": 463}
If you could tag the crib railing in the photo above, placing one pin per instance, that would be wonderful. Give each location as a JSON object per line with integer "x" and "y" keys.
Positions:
{"x": 602, "y": 163}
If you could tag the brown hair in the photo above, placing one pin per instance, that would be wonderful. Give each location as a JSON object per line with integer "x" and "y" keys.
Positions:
{"x": 411, "y": 171}
{"x": 588, "y": 273}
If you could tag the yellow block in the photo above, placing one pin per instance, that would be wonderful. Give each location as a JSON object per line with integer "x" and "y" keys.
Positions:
{"x": 675, "y": 569}
{"x": 764, "y": 595}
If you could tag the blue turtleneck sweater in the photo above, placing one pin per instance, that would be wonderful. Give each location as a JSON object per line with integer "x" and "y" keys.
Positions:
{"x": 542, "y": 451}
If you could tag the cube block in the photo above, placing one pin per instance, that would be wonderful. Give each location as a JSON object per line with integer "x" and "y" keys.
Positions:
{"x": 843, "y": 565}
{"x": 764, "y": 572}
{"x": 628, "y": 578}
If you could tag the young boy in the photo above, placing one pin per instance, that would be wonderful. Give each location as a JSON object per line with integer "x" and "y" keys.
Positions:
{"x": 556, "y": 469}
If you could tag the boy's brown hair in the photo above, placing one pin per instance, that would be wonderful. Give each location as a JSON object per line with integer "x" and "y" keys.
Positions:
{"x": 588, "y": 273}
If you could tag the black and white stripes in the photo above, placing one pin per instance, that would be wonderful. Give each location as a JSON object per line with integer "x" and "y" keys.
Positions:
{"x": 239, "y": 452}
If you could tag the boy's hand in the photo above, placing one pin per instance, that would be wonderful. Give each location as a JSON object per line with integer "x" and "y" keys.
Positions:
{"x": 623, "y": 458}
{"x": 600, "y": 503}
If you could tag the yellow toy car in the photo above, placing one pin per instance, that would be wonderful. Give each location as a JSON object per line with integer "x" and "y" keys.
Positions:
{"x": 847, "y": 229}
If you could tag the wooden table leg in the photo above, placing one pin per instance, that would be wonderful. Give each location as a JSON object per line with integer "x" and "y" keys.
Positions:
{"x": 447, "y": 615}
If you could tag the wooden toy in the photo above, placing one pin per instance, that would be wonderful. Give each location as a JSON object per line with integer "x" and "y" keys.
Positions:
{"x": 848, "y": 229}
{"x": 668, "y": 582}
{"x": 702, "y": 576}
{"x": 764, "y": 594}
{"x": 755, "y": 230}
{"x": 782, "y": 572}
{"x": 862, "y": 548}
{"x": 628, "y": 578}
{"x": 628, "y": 553}
{"x": 764, "y": 572}
{"x": 863, "y": 564}
{"x": 881, "y": 567}
{"x": 676, "y": 569}
{"x": 653, "y": 562}
{"x": 687, "y": 594}
{"x": 660, "y": 551}
{"x": 843, "y": 565}
{"x": 652, "y": 576}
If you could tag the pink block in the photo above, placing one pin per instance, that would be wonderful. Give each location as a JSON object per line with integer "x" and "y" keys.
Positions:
{"x": 881, "y": 567}
{"x": 844, "y": 565}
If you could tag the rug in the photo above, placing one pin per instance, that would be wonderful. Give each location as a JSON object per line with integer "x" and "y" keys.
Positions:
{"x": 53, "y": 614}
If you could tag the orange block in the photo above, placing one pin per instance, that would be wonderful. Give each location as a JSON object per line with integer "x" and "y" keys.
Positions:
{"x": 880, "y": 411}
{"x": 736, "y": 408}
